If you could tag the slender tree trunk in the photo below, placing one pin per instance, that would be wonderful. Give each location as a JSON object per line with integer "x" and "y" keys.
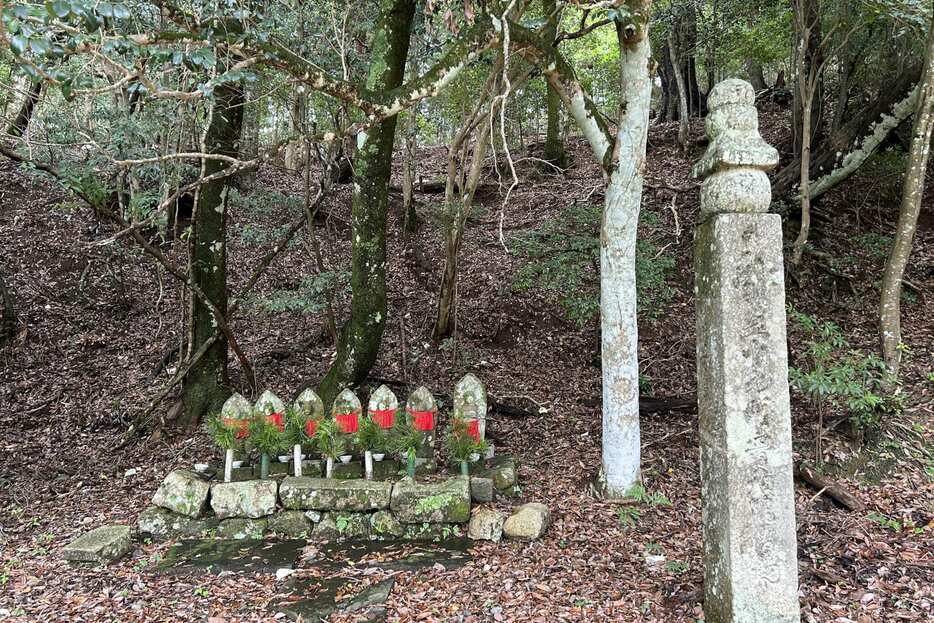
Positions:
{"x": 361, "y": 335}
{"x": 912, "y": 190}
{"x": 830, "y": 152}
{"x": 23, "y": 117}
{"x": 554, "y": 142}
{"x": 852, "y": 161}
{"x": 619, "y": 339}
{"x": 808, "y": 27}
{"x": 7, "y": 314}
{"x": 249, "y": 138}
{"x": 665, "y": 79}
{"x": 806, "y": 80}
{"x": 683, "y": 126}
{"x": 204, "y": 388}
{"x": 687, "y": 54}
{"x": 409, "y": 215}
{"x": 458, "y": 209}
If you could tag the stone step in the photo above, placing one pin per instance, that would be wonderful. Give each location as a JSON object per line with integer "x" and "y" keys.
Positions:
{"x": 330, "y": 494}
{"x": 100, "y": 545}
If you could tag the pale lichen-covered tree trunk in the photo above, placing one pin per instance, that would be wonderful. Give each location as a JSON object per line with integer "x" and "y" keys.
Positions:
{"x": 623, "y": 159}
{"x": 619, "y": 334}
{"x": 913, "y": 187}
{"x": 878, "y": 132}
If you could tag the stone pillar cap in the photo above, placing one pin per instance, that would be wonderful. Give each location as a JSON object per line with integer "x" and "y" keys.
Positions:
{"x": 733, "y": 127}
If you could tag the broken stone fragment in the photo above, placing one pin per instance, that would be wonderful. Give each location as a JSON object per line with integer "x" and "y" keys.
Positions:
{"x": 328, "y": 494}
{"x": 160, "y": 524}
{"x": 502, "y": 471}
{"x": 251, "y": 498}
{"x": 242, "y": 528}
{"x": 486, "y": 524}
{"x": 343, "y": 526}
{"x": 290, "y": 523}
{"x": 481, "y": 489}
{"x": 184, "y": 492}
{"x": 384, "y": 525}
{"x": 437, "y": 502}
{"x": 99, "y": 545}
{"x": 528, "y": 522}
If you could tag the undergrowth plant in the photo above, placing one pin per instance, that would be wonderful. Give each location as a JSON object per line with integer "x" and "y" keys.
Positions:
{"x": 564, "y": 260}
{"x": 830, "y": 373}
{"x": 310, "y": 297}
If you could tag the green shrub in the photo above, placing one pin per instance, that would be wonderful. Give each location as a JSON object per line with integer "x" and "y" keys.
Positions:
{"x": 309, "y": 298}
{"x": 564, "y": 260}
{"x": 831, "y": 373}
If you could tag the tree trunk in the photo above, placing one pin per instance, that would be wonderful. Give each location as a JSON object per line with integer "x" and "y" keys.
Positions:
{"x": 7, "y": 314}
{"x": 753, "y": 70}
{"x": 827, "y": 154}
{"x": 687, "y": 54}
{"x": 554, "y": 142}
{"x": 204, "y": 388}
{"x": 21, "y": 122}
{"x": 867, "y": 146}
{"x": 458, "y": 209}
{"x": 669, "y": 110}
{"x": 683, "y": 126}
{"x": 409, "y": 215}
{"x": 665, "y": 79}
{"x": 809, "y": 19}
{"x": 361, "y": 335}
{"x": 619, "y": 334}
{"x": 913, "y": 188}
{"x": 249, "y": 138}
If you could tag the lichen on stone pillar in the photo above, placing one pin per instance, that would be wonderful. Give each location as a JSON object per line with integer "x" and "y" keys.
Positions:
{"x": 737, "y": 158}
{"x": 747, "y": 492}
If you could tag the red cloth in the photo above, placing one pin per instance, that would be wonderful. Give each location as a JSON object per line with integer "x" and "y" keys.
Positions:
{"x": 384, "y": 418}
{"x": 473, "y": 429}
{"x": 277, "y": 419}
{"x": 311, "y": 426}
{"x": 423, "y": 420}
{"x": 348, "y": 422}
{"x": 242, "y": 427}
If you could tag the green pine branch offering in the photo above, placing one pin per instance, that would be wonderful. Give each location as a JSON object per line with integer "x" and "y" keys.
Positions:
{"x": 266, "y": 437}
{"x": 329, "y": 440}
{"x": 224, "y": 436}
{"x": 459, "y": 444}
{"x": 371, "y": 436}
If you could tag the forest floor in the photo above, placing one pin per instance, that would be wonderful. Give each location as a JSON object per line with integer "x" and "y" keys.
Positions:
{"x": 96, "y": 318}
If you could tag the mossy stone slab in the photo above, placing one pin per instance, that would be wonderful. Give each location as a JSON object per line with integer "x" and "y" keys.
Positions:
{"x": 447, "y": 501}
{"x": 329, "y": 494}
{"x": 100, "y": 545}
